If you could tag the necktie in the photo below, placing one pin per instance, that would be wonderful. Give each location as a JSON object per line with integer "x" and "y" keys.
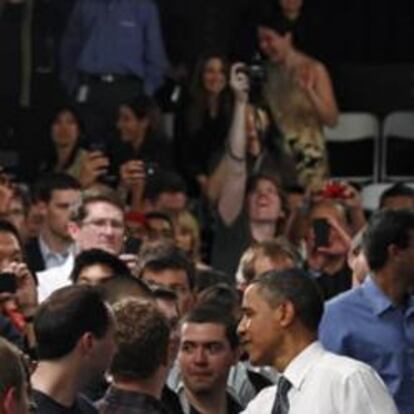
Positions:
{"x": 281, "y": 404}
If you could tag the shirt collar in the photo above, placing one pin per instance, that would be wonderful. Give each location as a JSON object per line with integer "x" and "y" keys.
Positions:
{"x": 299, "y": 367}
{"x": 47, "y": 252}
{"x": 377, "y": 299}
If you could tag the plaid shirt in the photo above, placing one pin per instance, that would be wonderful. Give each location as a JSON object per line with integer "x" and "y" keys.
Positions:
{"x": 117, "y": 401}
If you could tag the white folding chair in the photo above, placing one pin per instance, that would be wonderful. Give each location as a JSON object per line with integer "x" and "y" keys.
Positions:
{"x": 398, "y": 147}
{"x": 353, "y": 147}
{"x": 371, "y": 195}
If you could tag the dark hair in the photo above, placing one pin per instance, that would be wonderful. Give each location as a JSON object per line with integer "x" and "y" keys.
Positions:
{"x": 142, "y": 106}
{"x": 164, "y": 182}
{"x": 221, "y": 295}
{"x": 51, "y": 150}
{"x": 50, "y": 182}
{"x": 207, "y": 278}
{"x": 98, "y": 257}
{"x": 67, "y": 107}
{"x": 213, "y": 313}
{"x": 199, "y": 98}
{"x": 142, "y": 335}
{"x": 397, "y": 190}
{"x": 296, "y": 286}
{"x": 165, "y": 256}
{"x": 65, "y": 316}
{"x": 254, "y": 179}
{"x": 124, "y": 286}
{"x": 12, "y": 372}
{"x": 274, "y": 20}
{"x": 386, "y": 227}
{"x": 80, "y": 212}
{"x": 7, "y": 227}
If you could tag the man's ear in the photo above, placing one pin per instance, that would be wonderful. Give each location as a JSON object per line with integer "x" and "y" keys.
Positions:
{"x": 287, "y": 314}
{"x": 86, "y": 343}
{"x": 73, "y": 230}
{"x": 393, "y": 252}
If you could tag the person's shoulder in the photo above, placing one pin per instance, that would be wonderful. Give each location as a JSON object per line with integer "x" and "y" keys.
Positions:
{"x": 343, "y": 367}
{"x": 348, "y": 299}
{"x": 310, "y": 63}
{"x": 262, "y": 402}
{"x": 85, "y": 406}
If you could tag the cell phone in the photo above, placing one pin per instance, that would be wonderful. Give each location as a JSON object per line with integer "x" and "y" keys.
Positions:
{"x": 321, "y": 229}
{"x": 132, "y": 245}
{"x": 8, "y": 282}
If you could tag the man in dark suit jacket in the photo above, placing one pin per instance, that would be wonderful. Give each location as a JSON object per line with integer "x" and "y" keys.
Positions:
{"x": 57, "y": 192}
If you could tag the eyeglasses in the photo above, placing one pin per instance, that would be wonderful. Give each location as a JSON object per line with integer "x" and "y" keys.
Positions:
{"x": 99, "y": 224}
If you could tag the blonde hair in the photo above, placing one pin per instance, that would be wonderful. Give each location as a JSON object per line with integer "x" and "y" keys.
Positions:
{"x": 187, "y": 223}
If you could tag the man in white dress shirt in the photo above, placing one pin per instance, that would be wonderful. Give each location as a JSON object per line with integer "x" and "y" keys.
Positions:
{"x": 97, "y": 223}
{"x": 281, "y": 314}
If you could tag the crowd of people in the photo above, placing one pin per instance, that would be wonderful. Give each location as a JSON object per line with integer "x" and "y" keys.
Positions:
{"x": 180, "y": 247}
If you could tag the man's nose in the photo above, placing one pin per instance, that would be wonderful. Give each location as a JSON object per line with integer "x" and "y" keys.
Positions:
{"x": 200, "y": 356}
{"x": 241, "y": 328}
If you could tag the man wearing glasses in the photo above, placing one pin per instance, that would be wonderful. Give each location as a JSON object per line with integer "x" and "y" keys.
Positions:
{"x": 96, "y": 223}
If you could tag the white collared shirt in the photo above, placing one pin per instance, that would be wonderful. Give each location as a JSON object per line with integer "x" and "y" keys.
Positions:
{"x": 325, "y": 383}
{"x": 51, "y": 258}
{"x": 55, "y": 278}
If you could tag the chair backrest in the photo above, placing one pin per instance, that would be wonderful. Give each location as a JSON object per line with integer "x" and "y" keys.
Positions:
{"x": 371, "y": 194}
{"x": 353, "y": 147}
{"x": 398, "y": 146}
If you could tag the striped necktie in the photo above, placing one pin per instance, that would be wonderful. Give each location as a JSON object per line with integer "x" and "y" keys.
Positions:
{"x": 281, "y": 404}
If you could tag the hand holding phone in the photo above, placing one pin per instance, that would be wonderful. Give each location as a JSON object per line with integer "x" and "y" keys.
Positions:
{"x": 132, "y": 245}
{"x": 321, "y": 230}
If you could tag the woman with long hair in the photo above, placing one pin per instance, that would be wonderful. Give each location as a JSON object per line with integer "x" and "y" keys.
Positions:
{"x": 203, "y": 124}
{"x": 65, "y": 152}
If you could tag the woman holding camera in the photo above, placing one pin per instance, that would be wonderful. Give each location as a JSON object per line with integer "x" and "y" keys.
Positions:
{"x": 300, "y": 96}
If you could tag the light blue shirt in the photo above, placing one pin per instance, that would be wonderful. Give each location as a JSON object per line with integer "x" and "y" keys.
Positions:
{"x": 51, "y": 258}
{"x": 121, "y": 37}
{"x": 364, "y": 324}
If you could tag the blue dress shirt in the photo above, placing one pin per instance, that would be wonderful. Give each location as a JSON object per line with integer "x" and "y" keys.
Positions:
{"x": 364, "y": 324}
{"x": 121, "y": 37}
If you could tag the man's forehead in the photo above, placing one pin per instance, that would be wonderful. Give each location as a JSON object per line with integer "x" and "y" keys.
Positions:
{"x": 102, "y": 207}
{"x": 203, "y": 332}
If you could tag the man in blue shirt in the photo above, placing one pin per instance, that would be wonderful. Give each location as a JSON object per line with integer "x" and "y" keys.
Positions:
{"x": 375, "y": 322}
{"x": 111, "y": 52}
